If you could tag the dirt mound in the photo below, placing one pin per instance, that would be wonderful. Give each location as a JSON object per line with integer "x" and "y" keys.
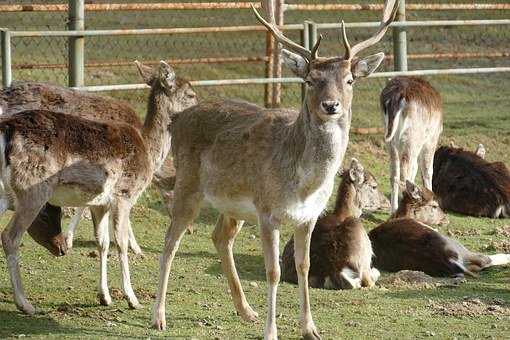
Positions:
{"x": 409, "y": 278}
{"x": 471, "y": 307}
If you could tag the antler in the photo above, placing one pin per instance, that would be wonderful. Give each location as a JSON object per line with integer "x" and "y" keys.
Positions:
{"x": 282, "y": 39}
{"x": 389, "y": 12}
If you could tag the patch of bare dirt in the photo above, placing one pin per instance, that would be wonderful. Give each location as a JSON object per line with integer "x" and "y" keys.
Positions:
{"x": 409, "y": 278}
{"x": 498, "y": 246}
{"x": 503, "y": 231}
{"x": 470, "y": 307}
{"x": 463, "y": 232}
{"x": 416, "y": 280}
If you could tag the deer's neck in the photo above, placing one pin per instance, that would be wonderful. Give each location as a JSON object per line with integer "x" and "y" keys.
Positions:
{"x": 345, "y": 205}
{"x": 155, "y": 128}
{"x": 316, "y": 144}
{"x": 404, "y": 210}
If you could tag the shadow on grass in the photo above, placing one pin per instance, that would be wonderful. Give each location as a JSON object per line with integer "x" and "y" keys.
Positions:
{"x": 249, "y": 267}
{"x": 15, "y": 323}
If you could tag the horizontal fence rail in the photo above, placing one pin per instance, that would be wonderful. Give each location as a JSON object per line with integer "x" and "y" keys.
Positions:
{"x": 245, "y": 5}
{"x": 225, "y": 82}
{"x": 253, "y": 28}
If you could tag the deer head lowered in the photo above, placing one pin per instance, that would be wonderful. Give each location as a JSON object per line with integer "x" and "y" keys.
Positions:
{"x": 266, "y": 166}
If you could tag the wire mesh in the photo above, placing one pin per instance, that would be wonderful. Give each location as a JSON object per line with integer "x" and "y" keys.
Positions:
{"x": 109, "y": 59}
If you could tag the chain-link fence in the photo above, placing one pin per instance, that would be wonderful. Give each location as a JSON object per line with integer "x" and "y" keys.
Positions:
{"x": 226, "y": 55}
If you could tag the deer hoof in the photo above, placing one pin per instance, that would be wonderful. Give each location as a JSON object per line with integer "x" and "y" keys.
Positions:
{"x": 248, "y": 314}
{"x": 134, "y": 304}
{"x": 26, "y": 308}
{"x": 159, "y": 322}
{"x": 311, "y": 334}
{"x": 104, "y": 299}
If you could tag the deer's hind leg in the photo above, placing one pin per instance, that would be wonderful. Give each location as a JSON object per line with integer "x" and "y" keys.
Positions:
{"x": 223, "y": 237}
{"x": 119, "y": 216}
{"x": 394, "y": 176}
{"x": 185, "y": 209}
{"x": 427, "y": 164}
{"x": 28, "y": 205}
{"x": 100, "y": 222}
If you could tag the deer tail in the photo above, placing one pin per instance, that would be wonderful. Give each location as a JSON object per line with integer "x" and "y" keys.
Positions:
{"x": 392, "y": 109}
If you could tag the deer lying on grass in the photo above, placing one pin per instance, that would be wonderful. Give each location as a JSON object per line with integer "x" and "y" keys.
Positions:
{"x": 340, "y": 251}
{"x": 413, "y": 121}
{"x": 66, "y": 160}
{"x": 28, "y": 95}
{"x": 405, "y": 243}
{"x": 467, "y": 184}
{"x": 420, "y": 204}
{"x": 216, "y": 144}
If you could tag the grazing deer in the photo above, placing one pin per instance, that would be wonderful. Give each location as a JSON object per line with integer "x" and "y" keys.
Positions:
{"x": 420, "y": 204}
{"x": 466, "y": 183}
{"x": 47, "y": 230}
{"x": 29, "y": 95}
{"x": 66, "y": 160}
{"x": 413, "y": 121}
{"x": 340, "y": 251}
{"x": 217, "y": 143}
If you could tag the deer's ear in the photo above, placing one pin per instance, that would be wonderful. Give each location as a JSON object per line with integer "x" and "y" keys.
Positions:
{"x": 413, "y": 190}
{"x": 167, "y": 75}
{"x": 147, "y": 73}
{"x": 356, "y": 172}
{"x": 296, "y": 63}
{"x": 364, "y": 67}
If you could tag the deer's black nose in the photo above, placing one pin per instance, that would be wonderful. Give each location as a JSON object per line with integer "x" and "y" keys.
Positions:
{"x": 331, "y": 106}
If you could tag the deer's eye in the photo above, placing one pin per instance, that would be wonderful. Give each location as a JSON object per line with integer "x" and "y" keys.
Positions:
{"x": 350, "y": 81}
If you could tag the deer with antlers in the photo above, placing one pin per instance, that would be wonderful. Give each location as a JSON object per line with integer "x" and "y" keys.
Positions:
{"x": 216, "y": 144}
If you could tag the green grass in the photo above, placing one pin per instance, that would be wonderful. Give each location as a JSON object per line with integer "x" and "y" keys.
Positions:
{"x": 64, "y": 289}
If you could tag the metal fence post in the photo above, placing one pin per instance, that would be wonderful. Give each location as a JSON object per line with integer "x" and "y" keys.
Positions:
{"x": 6, "y": 57}
{"x": 400, "y": 40}
{"x": 76, "y": 62}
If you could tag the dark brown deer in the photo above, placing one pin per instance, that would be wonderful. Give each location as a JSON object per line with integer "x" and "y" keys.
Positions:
{"x": 297, "y": 154}
{"x": 340, "y": 251}
{"x": 407, "y": 244}
{"x": 466, "y": 183}
{"x": 413, "y": 121}
{"x": 420, "y": 204}
{"x": 49, "y": 156}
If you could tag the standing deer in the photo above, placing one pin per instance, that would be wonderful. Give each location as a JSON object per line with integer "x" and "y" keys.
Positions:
{"x": 413, "y": 121}
{"x": 406, "y": 242}
{"x": 466, "y": 183}
{"x": 340, "y": 250}
{"x": 48, "y": 156}
{"x": 29, "y": 95}
{"x": 217, "y": 143}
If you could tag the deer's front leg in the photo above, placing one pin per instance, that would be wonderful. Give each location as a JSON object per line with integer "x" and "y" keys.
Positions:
{"x": 302, "y": 237}
{"x": 270, "y": 236}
